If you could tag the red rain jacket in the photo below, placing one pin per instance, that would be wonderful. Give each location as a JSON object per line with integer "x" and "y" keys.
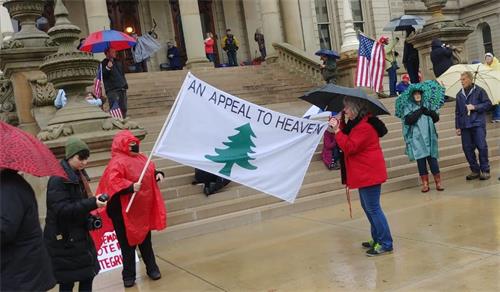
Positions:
{"x": 148, "y": 209}
{"x": 364, "y": 160}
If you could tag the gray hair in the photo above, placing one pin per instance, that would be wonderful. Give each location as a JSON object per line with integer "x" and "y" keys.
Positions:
{"x": 468, "y": 74}
{"x": 358, "y": 106}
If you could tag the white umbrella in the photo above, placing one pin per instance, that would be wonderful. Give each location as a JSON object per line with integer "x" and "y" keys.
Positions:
{"x": 484, "y": 77}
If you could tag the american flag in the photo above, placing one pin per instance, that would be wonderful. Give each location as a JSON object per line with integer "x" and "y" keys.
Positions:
{"x": 371, "y": 64}
{"x": 115, "y": 111}
{"x": 98, "y": 82}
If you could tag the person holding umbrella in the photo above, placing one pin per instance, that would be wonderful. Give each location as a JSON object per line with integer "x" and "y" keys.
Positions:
{"x": 418, "y": 109}
{"x": 68, "y": 221}
{"x": 411, "y": 60}
{"x": 115, "y": 83}
{"x": 329, "y": 65}
{"x": 363, "y": 165}
{"x": 472, "y": 103}
{"x": 492, "y": 62}
{"x": 25, "y": 262}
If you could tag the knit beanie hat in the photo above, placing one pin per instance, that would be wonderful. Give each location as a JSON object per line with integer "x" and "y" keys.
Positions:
{"x": 75, "y": 145}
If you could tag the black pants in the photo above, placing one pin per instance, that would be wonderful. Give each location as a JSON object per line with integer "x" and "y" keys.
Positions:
{"x": 128, "y": 252}
{"x": 82, "y": 287}
{"x": 119, "y": 96}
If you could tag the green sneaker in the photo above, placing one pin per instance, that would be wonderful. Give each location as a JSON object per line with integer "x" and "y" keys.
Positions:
{"x": 368, "y": 244}
{"x": 377, "y": 250}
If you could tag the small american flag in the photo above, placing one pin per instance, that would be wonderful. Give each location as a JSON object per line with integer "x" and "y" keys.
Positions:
{"x": 115, "y": 111}
{"x": 371, "y": 64}
{"x": 98, "y": 82}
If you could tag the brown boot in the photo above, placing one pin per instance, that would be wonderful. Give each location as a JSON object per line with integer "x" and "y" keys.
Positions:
{"x": 425, "y": 183}
{"x": 437, "y": 180}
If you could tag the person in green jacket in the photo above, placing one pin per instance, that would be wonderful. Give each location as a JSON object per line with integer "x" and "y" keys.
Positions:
{"x": 329, "y": 69}
{"x": 418, "y": 108}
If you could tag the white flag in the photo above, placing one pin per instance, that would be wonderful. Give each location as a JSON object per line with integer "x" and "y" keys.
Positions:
{"x": 238, "y": 140}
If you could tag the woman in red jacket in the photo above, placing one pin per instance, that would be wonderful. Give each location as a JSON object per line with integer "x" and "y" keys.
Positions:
{"x": 365, "y": 168}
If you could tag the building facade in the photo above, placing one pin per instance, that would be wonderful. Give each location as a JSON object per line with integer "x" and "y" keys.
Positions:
{"x": 306, "y": 24}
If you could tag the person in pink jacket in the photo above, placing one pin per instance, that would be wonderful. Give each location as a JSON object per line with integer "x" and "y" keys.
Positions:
{"x": 330, "y": 153}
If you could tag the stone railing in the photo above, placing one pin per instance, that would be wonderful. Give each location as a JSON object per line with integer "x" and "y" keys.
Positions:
{"x": 299, "y": 62}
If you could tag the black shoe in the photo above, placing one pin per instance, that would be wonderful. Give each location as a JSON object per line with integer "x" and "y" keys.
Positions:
{"x": 472, "y": 175}
{"x": 377, "y": 250}
{"x": 155, "y": 275}
{"x": 484, "y": 176}
{"x": 128, "y": 283}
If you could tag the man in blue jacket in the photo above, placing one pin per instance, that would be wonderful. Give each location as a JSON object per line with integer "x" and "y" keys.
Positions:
{"x": 470, "y": 123}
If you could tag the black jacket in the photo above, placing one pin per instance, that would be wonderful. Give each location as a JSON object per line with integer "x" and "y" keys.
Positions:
{"x": 67, "y": 238}
{"x": 25, "y": 261}
{"x": 113, "y": 79}
{"x": 441, "y": 57}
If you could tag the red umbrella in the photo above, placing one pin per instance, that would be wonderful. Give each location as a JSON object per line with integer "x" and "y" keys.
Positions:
{"x": 99, "y": 41}
{"x": 23, "y": 152}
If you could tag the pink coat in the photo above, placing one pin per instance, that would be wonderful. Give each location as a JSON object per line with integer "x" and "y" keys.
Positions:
{"x": 328, "y": 144}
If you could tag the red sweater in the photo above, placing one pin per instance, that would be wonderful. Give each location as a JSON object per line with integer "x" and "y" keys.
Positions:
{"x": 209, "y": 46}
{"x": 364, "y": 160}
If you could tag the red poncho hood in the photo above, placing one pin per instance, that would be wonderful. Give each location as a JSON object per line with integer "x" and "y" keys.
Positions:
{"x": 148, "y": 209}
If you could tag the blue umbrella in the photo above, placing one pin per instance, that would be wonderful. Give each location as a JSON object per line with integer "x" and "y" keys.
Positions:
{"x": 327, "y": 53}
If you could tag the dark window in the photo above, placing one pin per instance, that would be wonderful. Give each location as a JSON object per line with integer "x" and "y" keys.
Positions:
{"x": 323, "y": 24}
{"x": 357, "y": 15}
{"x": 487, "y": 43}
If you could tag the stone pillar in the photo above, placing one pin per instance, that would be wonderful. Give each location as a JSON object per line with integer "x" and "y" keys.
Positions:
{"x": 292, "y": 23}
{"x": 271, "y": 22}
{"x": 349, "y": 39}
{"x": 20, "y": 57}
{"x": 193, "y": 35}
{"x": 97, "y": 15}
{"x": 308, "y": 26}
{"x": 452, "y": 32}
{"x": 252, "y": 21}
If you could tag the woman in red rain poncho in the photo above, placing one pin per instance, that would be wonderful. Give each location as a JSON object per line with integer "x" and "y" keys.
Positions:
{"x": 147, "y": 212}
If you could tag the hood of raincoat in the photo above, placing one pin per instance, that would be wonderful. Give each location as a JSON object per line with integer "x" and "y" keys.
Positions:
{"x": 436, "y": 43}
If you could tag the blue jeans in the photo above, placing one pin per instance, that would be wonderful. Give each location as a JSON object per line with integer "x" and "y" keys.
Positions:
{"x": 393, "y": 78}
{"x": 370, "y": 201}
{"x": 231, "y": 56}
{"x": 211, "y": 57}
{"x": 422, "y": 165}
{"x": 473, "y": 138}
{"x": 496, "y": 113}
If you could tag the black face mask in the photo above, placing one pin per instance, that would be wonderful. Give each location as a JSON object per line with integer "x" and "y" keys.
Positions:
{"x": 134, "y": 148}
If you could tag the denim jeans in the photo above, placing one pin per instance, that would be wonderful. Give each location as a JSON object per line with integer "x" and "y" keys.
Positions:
{"x": 370, "y": 201}
{"x": 422, "y": 165}
{"x": 393, "y": 78}
{"x": 231, "y": 56}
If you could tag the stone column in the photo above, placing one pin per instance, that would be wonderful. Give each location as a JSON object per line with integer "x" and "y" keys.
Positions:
{"x": 193, "y": 35}
{"x": 349, "y": 39}
{"x": 292, "y": 23}
{"x": 97, "y": 15}
{"x": 252, "y": 21}
{"x": 308, "y": 26}
{"x": 271, "y": 22}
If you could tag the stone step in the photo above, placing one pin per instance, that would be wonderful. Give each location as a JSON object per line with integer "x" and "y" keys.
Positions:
{"x": 190, "y": 228}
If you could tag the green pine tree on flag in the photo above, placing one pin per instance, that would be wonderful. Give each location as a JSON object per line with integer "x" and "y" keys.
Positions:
{"x": 237, "y": 152}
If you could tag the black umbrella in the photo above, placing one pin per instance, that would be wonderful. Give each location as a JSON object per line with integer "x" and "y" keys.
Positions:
{"x": 330, "y": 97}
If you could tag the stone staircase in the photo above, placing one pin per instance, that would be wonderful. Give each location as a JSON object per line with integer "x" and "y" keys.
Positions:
{"x": 191, "y": 213}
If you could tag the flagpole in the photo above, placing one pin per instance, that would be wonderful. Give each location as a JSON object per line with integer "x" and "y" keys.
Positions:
{"x": 157, "y": 140}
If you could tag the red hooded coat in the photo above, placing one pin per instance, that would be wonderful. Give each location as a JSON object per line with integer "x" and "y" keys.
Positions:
{"x": 148, "y": 209}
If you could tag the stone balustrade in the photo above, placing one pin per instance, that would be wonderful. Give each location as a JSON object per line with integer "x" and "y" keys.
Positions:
{"x": 299, "y": 62}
